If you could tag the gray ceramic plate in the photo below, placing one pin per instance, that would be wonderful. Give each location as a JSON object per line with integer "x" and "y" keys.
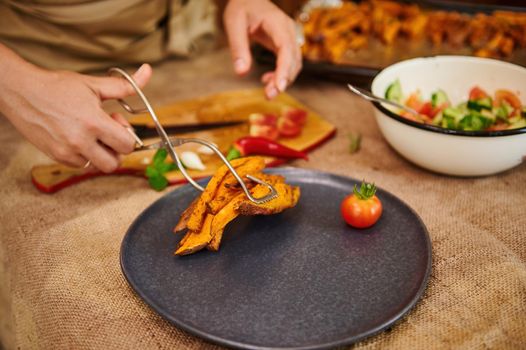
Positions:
{"x": 301, "y": 279}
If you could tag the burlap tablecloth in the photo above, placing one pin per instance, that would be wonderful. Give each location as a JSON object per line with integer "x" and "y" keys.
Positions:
{"x": 61, "y": 285}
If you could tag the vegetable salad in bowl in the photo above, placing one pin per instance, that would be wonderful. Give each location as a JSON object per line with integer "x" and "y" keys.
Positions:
{"x": 480, "y": 112}
{"x": 465, "y": 123}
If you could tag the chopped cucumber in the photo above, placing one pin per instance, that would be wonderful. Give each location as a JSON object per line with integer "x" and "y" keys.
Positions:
{"x": 474, "y": 121}
{"x": 437, "y": 120}
{"x": 438, "y": 98}
{"x": 463, "y": 107}
{"x": 486, "y": 103}
{"x": 488, "y": 114}
{"x": 514, "y": 119}
{"x": 500, "y": 113}
{"x": 521, "y": 123}
{"x": 483, "y": 103}
{"x": 454, "y": 113}
{"x": 507, "y": 107}
{"x": 451, "y": 117}
{"x": 504, "y": 111}
{"x": 448, "y": 123}
{"x": 394, "y": 92}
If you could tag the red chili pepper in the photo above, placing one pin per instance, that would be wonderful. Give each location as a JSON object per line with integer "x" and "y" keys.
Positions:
{"x": 262, "y": 146}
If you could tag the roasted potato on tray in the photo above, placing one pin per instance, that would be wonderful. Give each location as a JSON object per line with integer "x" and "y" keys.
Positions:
{"x": 336, "y": 34}
{"x": 223, "y": 200}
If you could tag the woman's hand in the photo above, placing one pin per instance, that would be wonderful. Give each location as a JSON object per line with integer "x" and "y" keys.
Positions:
{"x": 264, "y": 23}
{"x": 61, "y": 112}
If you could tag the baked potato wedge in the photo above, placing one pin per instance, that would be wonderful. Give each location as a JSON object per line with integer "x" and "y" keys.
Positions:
{"x": 224, "y": 216}
{"x": 196, "y": 219}
{"x": 227, "y": 189}
{"x": 288, "y": 197}
{"x": 185, "y": 216}
{"x": 223, "y": 200}
{"x": 194, "y": 241}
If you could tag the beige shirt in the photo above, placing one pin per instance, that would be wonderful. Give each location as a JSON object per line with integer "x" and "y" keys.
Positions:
{"x": 93, "y": 34}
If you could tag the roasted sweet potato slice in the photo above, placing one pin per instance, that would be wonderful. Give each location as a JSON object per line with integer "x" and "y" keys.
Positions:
{"x": 224, "y": 216}
{"x": 195, "y": 221}
{"x": 226, "y": 192}
{"x": 223, "y": 200}
{"x": 271, "y": 178}
{"x": 223, "y": 197}
{"x": 288, "y": 197}
{"x": 254, "y": 166}
{"x": 185, "y": 216}
{"x": 194, "y": 241}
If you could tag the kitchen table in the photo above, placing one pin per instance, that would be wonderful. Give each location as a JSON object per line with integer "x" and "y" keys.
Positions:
{"x": 61, "y": 285}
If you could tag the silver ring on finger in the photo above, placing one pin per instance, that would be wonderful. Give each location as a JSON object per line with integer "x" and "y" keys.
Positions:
{"x": 88, "y": 163}
{"x": 300, "y": 36}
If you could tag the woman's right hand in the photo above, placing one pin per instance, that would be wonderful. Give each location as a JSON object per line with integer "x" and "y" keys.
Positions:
{"x": 61, "y": 112}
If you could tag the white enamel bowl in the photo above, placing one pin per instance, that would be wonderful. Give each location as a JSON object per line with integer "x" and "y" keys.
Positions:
{"x": 452, "y": 152}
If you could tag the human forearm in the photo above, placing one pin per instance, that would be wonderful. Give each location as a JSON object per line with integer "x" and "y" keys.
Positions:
{"x": 14, "y": 72}
{"x": 61, "y": 114}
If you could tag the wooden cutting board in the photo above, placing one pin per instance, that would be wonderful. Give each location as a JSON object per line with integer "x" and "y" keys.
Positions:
{"x": 223, "y": 107}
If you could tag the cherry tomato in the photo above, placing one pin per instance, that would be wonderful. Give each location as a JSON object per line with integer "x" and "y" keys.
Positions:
{"x": 270, "y": 132}
{"x": 429, "y": 112}
{"x": 426, "y": 109}
{"x": 477, "y": 93}
{"x": 296, "y": 115}
{"x": 264, "y": 125}
{"x": 291, "y": 122}
{"x": 263, "y": 119}
{"x": 362, "y": 208}
{"x": 414, "y": 101}
{"x": 288, "y": 128}
{"x": 508, "y": 96}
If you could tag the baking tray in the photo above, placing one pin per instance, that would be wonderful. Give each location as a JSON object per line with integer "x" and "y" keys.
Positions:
{"x": 364, "y": 64}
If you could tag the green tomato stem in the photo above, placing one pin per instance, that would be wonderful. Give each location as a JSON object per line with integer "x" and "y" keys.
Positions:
{"x": 367, "y": 190}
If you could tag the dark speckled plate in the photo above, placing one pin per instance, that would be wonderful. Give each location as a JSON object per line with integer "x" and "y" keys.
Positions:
{"x": 301, "y": 279}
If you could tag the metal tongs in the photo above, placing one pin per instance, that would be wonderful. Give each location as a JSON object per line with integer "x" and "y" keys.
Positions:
{"x": 170, "y": 143}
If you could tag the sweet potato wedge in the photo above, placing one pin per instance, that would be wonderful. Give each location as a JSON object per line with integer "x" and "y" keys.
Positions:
{"x": 194, "y": 241}
{"x": 227, "y": 189}
{"x": 288, "y": 197}
{"x": 227, "y": 192}
{"x": 224, "y": 216}
{"x": 254, "y": 166}
{"x": 185, "y": 216}
{"x": 223, "y": 200}
{"x": 195, "y": 221}
{"x": 271, "y": 178}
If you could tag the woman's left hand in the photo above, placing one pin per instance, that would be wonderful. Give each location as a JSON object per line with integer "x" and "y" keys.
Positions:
{"x": 264, "y": 23}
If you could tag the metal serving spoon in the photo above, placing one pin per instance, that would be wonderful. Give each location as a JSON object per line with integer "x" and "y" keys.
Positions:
{"x": 370, "y": 97}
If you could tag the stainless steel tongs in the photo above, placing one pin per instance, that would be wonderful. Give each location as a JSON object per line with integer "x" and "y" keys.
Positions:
{"x": 171, "y": 142}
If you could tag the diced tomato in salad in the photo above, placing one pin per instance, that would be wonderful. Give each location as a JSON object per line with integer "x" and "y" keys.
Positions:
{"x": 510, "y": 98}
{"x": 476, "y": 93}
{"x": 428, "y": 110}
{"x": 414, "y": 101}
